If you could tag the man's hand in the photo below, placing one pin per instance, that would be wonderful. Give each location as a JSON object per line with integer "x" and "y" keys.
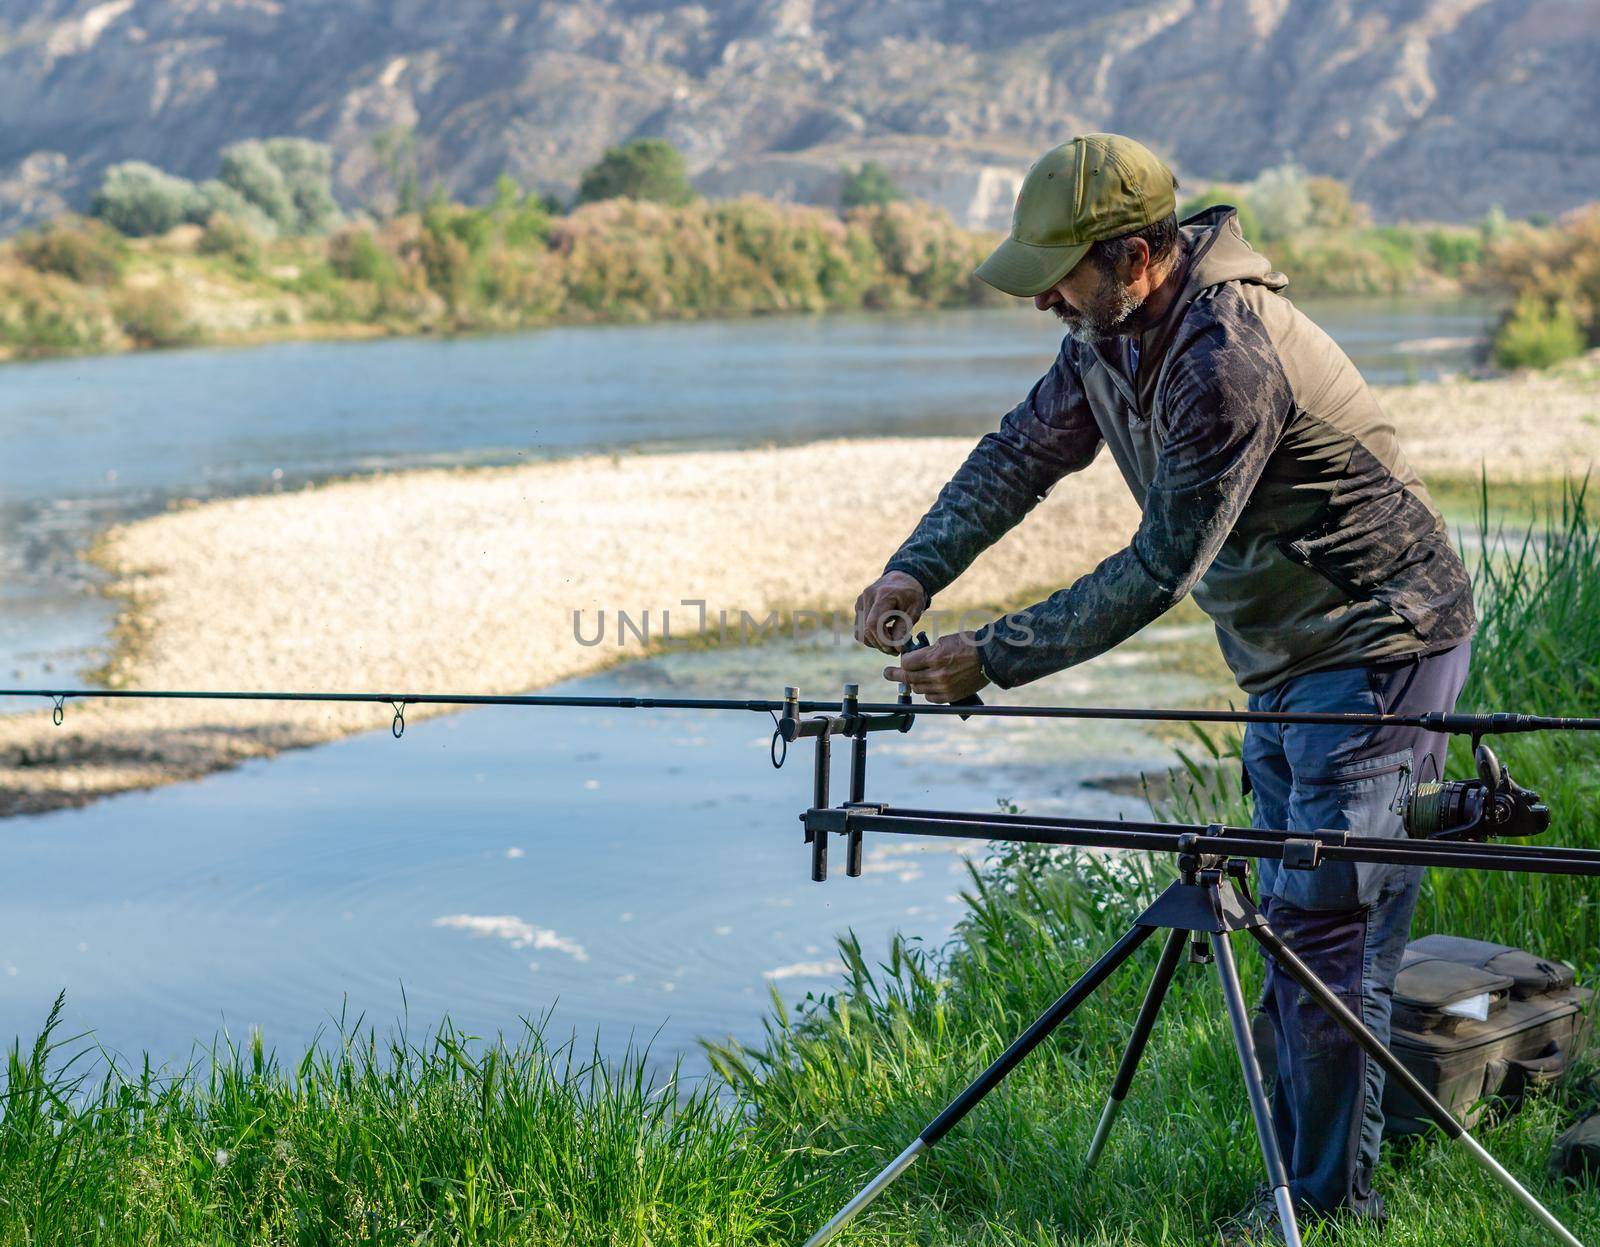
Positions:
{"x": 946, "y": 671}
{"x": 888, "y": 610}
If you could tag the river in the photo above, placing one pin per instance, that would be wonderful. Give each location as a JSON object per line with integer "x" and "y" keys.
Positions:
{"x": 635, "y": 874}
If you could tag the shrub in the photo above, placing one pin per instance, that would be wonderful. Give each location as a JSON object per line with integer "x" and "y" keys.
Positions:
{"x": 520, "y": 218}
{"x": 1536, "y": 334}
{"x": 155, "y": 316}
{"x": 356, "y": 256}
{"x": 650, "y": 169}
{"x": 1331, "y": 206}
{"x": 87, "y": 251}
{"x": 230, "y": 238}
{"x": 1454, "y": 252}
{"x": 527, "y": 223}
{"x": 870, "y": 186}
{"x": 448, "y": 264}
{"x": 1249, "y": 223}
{"x": 48, "y": 313}
{"x": 1554, "y": 275}
{"x": 138, "y": 199}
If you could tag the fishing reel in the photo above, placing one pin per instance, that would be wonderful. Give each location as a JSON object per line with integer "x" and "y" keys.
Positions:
{"x": 1491, "y": 805}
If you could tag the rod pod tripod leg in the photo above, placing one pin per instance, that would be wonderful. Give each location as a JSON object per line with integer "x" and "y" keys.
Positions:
{"x": 1197, "y": 903}
{"x": 1142, "y": 1026}
{"x": 1250, "y": 1067}
{"x": 987, "y": 1081}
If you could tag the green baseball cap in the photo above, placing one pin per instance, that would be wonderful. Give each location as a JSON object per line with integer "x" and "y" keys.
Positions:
{"x": 1095, "y": 187}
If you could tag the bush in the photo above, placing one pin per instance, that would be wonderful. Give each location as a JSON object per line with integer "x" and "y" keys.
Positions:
{"x": 48, "y": 314}
{"x": 870, "y": 186}
{"x": 1331, "y": 206}
{"x": 155, "y": 316}
{"x": 650, "y": 169}
{"x": 448, "y": 264}
{"x": 230, "y": 238}
{"x": 528, "y": 223}
{"x": 89, "y": 252}
{"x": 521, "y": 219}
{"x": 1249, "y": 223}
{"x": 138, "y": 199}
{"x": 1454, "y": 252}
{"x": 1554, "y": 275}
{"x": 356, "y": 256}
{"x": 1536, "y": 335}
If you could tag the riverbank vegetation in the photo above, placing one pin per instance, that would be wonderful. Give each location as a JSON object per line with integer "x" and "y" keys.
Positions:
{"x": 445, "y": 1140}
{"x": 263, "y": 252}
{"x": 76, "y": 285}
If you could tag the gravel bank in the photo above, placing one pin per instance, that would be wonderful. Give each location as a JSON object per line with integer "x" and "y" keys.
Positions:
{"x": 467, "y": 581}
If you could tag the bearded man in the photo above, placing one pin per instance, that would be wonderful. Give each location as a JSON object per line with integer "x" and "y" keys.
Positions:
{"x": 1274, "y": 491}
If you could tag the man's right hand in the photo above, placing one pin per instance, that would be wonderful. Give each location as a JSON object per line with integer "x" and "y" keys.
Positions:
{"x": 887, "y": 611}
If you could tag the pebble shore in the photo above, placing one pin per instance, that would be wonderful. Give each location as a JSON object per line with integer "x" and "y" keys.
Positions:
{"x": 468, "y": 580}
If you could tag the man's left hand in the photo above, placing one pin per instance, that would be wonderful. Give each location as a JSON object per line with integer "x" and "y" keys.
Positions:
{"x": 946, "y": 671}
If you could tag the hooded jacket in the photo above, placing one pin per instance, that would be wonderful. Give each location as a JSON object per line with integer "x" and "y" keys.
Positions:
{"x": 1271, "y": 484}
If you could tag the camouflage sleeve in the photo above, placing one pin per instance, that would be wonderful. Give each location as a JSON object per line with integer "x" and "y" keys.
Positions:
{"x": 1046, "y": 436}
{"x": 1221, "y": 411}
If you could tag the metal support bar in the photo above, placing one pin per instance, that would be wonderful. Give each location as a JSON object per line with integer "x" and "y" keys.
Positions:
{"x": 1224, "y": 841}
{"x": 858, "y": 793}
{"x": 1250, "y": 1067}
{"x": 1171, "y": 952}
{"x": 986, "y": 1082}
{"x": 819, "y": 797}
{"x": 1326, "y": 839}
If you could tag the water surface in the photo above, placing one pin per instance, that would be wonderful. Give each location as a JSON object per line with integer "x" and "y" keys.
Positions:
{"x": 639, "y": 875}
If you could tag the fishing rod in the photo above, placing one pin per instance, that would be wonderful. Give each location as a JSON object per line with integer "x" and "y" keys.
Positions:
{"x": 1476, "y": 726}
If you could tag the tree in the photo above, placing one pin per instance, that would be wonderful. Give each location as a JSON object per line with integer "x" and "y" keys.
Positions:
{"x": 396, "y": 150}
{"x": 289, "y": 180}
{"x": 1282, "y": 201}
{"x": 216, "y": 198}
{"x": 137, "y": 199}
{"x": 641, "y": 169}
{"x": 870, "y": 186}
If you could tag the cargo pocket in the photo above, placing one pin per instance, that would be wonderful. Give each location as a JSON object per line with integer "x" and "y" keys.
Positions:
{"x": 1361, "y": 797}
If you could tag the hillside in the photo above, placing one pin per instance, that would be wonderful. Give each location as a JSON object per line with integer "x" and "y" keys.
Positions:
{"x": 1435, "y": 108}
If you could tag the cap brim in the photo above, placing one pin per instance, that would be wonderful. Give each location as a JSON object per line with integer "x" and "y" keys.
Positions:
{"x": 1023, "y": 270}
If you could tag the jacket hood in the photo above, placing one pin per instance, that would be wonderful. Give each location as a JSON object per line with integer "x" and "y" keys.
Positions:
{"x": 1220, "y": 253}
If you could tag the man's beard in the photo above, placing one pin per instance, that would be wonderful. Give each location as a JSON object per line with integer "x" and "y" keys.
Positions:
{"x": 1112, "y": 313}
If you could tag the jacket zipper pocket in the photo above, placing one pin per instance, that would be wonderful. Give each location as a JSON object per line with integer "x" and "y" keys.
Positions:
{"x": 1296, "y": 552}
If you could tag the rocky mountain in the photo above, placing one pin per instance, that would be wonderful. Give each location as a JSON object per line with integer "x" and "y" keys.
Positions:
{"x": 1431, "y": 108}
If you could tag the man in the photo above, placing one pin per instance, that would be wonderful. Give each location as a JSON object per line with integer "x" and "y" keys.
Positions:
{"x": 1272, "y": 488}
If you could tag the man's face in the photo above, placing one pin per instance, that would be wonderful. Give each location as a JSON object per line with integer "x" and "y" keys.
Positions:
{"x": 1093, "y": 304}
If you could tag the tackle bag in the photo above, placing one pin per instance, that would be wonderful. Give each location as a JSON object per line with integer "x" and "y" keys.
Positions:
{"x": 1576, "y": 1154}
{"x": 1475, "y": 1021}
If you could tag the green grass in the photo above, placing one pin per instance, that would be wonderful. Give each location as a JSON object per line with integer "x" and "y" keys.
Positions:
{"x": 445, "y": 1140}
